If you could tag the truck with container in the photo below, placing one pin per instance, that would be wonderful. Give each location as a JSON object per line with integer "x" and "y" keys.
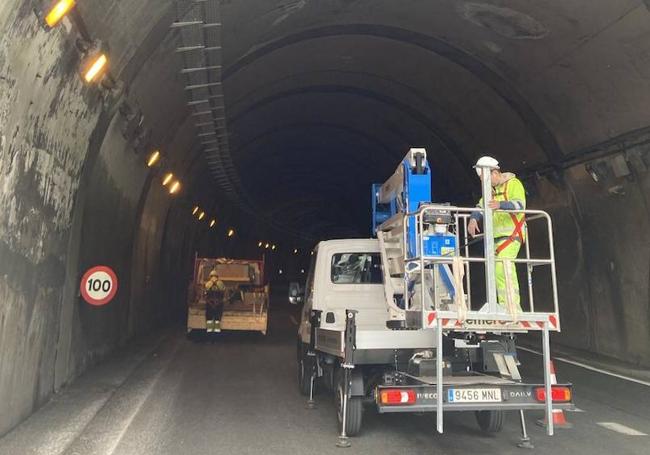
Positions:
{"x": 246, "y": 296}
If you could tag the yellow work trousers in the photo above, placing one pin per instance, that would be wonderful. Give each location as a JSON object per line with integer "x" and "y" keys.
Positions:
{"x": 509, "y": 252}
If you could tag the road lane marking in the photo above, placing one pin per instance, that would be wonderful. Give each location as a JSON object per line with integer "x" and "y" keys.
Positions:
{"x": 590, "y": 368}
{"x": 575, "y": 410}
{"x": 617, "y": 427}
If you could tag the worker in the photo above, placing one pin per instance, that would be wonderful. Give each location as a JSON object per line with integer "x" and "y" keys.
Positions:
{"x": 508, "y": 196}
{"x": 215, "y": 291}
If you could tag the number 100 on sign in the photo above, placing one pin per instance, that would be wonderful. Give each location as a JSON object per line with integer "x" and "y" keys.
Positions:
{"x": 99, "y": 285}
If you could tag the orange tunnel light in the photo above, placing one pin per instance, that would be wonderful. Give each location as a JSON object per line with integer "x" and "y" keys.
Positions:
{"x": 58, "y": 12}
{"x": 175, "y": 187}
{"x": 96, "y": 67}
{"x": 153, "y": 158}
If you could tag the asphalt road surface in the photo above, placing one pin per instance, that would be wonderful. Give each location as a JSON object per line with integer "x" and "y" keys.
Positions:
{"x": 237, "y": 393}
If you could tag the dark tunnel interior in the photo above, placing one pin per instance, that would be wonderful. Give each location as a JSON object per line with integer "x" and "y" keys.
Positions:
{"x": 304, "y": 104}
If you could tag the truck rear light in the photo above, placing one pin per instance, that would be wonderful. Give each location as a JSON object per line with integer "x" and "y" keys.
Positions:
{"x": 558, "y": 393}
{"x": 397, "y": 396}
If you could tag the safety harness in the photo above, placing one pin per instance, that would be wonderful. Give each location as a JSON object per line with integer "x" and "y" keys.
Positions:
{"x": 517, "y": 233}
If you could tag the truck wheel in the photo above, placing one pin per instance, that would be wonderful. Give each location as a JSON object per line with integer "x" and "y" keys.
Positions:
{"x": 355, "y": 412}
{"x": 305, "y": 368}
{"x": 490, "y": 421}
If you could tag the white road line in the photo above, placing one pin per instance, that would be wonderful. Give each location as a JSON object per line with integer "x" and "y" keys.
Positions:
{"x": 617, "y": 427}
{"x": 575, "y": 410}
{"x": 590, "y": 368}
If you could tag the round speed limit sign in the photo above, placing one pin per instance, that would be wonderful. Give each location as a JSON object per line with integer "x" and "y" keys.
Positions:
{"x": 98, "y": 285}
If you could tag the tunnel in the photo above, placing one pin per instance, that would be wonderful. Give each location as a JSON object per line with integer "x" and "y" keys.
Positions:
{"x": 273, "y": 118}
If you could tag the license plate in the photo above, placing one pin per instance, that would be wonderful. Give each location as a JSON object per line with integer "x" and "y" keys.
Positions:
{"x": 474, "y": 395}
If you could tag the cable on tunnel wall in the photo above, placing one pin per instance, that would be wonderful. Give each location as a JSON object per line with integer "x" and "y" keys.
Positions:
{"x": 200, "y": 49}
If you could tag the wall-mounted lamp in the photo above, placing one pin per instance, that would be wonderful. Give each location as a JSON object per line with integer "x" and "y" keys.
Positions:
{"x": 153, "y": 158}
{"x": 94, "y": 66}
{"x": 57, "y": 11}
{"x": 259, "y": 244}
{"x": 176, "y": 186}
{"x": 213, "y": 222}
{"x": 273, "y": 247}
{"x": 201, "y": 215}
{"x": 168, "y": 178}
{"x": 267, "y": 246}
{"x": 231, "y": 232}
{"x": 295, "y": 251}
{"x": 195, "y": 210}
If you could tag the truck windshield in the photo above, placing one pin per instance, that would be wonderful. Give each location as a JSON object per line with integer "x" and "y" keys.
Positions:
{"x": 356, "y": 268}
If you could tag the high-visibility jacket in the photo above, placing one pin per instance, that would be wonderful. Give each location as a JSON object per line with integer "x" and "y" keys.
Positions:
{"x": 512, "y": 196}
{"x": 214, "y": 284}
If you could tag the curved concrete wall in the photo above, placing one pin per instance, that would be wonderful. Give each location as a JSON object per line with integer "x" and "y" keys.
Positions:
{"x": 76, "y": 194}
{"x": 322, "y": 99}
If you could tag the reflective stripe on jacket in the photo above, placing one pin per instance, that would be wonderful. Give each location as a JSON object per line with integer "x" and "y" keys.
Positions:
{"x": 504, "y": 222}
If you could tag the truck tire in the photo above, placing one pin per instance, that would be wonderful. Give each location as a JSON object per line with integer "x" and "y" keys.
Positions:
{"x": 305, "y": 367}
{"x": 490, "y": 421}
{"x": 354, "y": 414}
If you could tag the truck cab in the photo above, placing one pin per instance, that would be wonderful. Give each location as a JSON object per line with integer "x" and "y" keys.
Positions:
{"x": 344, "y": 274}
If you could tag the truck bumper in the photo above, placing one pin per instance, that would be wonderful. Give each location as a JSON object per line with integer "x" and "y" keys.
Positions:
{"x": 478, "y": 397}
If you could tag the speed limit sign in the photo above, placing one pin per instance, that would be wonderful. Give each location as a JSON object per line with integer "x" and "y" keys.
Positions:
{"x": 98, "y": 285}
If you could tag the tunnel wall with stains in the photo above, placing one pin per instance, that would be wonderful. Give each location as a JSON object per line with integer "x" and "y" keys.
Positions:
{"x": 75, "y": 193}
{"x": 602, "y": 243}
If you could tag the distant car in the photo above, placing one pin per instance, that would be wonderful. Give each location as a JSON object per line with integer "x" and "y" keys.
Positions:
{"x": 296, "y": 293}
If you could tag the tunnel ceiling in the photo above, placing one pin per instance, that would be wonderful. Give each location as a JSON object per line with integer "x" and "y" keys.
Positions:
{"x": 325, "y": 97}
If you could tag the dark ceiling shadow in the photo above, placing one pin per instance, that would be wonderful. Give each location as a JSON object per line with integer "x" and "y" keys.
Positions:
{"x": 535, "y": 124}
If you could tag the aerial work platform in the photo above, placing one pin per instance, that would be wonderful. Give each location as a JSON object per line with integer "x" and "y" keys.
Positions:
{"x": 398, "y": 315}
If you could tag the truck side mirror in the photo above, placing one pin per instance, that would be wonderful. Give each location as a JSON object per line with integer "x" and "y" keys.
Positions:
{"x": 296, "y": 293}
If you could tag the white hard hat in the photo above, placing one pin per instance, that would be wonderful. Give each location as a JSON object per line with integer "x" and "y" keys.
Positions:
{"x": 486, "y": 161}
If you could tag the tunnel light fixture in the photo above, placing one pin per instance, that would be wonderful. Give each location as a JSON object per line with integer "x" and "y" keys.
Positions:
{"x": 259, "y": 244}
{"x": 295, "y": 251}
{"x": 175, "y": 187}
{"x": 302, "y": 271}
{"x": 195, "y": 210}
{"x": 94, "y": 66}
{"x": 153, "y": 158}
{"x": 280, "y": 272}
{"x": 58, "y": 10}
{"x": 201, "y": 215}
{"x": 231, "y": 232}
{"x": 273, "y": 247}
{"x": 168, "y": 178}
{"x": 213, "y": 222}
{"x": 267, "y": 246}
{"x": 312, "y": 253}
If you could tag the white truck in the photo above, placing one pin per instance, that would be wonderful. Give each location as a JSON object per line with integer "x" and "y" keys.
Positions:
{"x": 389, "y": 323}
